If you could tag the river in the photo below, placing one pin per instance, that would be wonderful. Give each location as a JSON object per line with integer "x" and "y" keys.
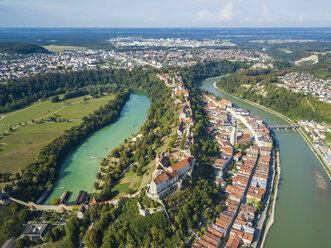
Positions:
{"x": 303, "y": 208}
{"x": 78, "y": 172}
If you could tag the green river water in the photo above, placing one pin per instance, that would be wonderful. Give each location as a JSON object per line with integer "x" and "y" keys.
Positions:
{"x": 78, "y": 172}
{"x": 303, "y": 208}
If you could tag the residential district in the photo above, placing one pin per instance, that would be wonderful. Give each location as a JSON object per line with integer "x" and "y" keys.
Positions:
{"x": 318, "y": 133}
{"x": 15, "y": 66}
{"x": 245, "y": 171}
{"x": 307, "y": 84}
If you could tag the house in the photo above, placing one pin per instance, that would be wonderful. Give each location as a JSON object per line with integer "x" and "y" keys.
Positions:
{"x": 247, "y": 238}
{"x": 233, "y": 242}
{"x": 212, "y": 105}
{"x": 159, "y": 183}
{"x": 243, "y": 138}
{"x": 82, "y": 211}
{"x": 182, "y": 167}
{"x": 255, "y": 193}
{"x": 35, "y": 231}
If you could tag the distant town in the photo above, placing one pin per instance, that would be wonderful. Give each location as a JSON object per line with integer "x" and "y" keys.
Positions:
{"x": 169, "y": 42}
{"x": 15, "y": 66}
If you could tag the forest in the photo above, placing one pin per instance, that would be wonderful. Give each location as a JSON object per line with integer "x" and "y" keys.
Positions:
{"x": 22, "y": 48}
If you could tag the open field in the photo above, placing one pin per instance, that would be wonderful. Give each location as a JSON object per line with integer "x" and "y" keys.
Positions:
{"x": 21, "y": 146}
{"x": 53, "y": 48}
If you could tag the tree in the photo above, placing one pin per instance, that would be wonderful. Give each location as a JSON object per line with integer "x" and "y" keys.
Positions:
{"x": 55, "y": 99}
{"x": 24, "y": 214}
{"x": 92, "y": 238}
{"x": 134, "y": 168}
{"x": 72, "y": 232}
{"x": 139, "y": 171}
{"x": 55, "y": 201}
{"x": 23, "y": 242}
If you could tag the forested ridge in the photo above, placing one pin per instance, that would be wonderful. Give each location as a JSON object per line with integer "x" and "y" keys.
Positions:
{"x": 260, "y": 87}
{"x": 17, "y": 94}
{"x": 21, "y": 48}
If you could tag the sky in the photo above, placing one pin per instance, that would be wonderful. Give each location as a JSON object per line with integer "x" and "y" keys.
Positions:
{"x": 165, "y": 13}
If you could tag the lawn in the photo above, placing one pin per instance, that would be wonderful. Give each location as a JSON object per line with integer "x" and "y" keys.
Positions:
{"x": 121, "y": 189}
{"x": 21, "y": 146}
{"x": 53, "y": 48}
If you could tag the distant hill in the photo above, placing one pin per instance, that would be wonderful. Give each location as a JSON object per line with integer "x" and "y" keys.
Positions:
{"x": 23, "y": 48}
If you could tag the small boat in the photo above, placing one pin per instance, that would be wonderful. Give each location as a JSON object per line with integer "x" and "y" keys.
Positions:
{"x": 61, "y": 187}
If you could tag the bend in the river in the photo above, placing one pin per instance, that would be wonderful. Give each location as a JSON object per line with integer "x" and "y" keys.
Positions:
{"x": 302, "y": 215}
{"x": 78, "y": 171}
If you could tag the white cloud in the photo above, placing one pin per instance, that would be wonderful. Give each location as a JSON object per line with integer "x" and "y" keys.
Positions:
{"x": 266, "y": 15}
{"x": 300, "y": 18}
{"x": 247, "y": 19}
{"x": 225, "y": 14}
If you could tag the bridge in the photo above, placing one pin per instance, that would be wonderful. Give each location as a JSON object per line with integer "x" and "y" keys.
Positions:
{"x": 286, "y": 127}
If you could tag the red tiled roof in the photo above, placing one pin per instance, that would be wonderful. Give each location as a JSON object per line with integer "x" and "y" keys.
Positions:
{"x": 180, "y": 165}
{"x": 162, "y": 177}
{"x": 233, "y": 242}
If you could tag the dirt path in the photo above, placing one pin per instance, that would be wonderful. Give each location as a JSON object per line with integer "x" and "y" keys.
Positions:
{"x": 310, "y": 104}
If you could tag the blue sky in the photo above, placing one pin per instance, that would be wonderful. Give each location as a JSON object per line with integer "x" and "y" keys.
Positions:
{"x": 166, "y": 13}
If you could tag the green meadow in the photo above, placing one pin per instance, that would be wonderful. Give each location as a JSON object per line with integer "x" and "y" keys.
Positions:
{"x": 26, "y": 130}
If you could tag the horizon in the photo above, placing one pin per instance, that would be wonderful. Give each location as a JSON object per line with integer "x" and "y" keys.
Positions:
{"x": 172, "y": 13}
{"x": 100, "y": 27}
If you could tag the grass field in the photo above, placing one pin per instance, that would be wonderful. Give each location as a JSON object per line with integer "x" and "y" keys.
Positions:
{"x": 21, "y": 146}
{"x": 53, "y": 48}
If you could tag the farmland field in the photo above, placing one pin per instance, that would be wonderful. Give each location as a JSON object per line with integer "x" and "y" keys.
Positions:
{"x": 21, "y": 146}
{"x": 53, "y": 48}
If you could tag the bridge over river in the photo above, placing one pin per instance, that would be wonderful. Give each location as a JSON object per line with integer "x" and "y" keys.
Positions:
{"x": 286, "y": 127}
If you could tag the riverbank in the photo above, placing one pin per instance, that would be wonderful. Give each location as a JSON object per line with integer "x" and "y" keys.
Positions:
{"x": 269, "y": 221}
{"x": 308, "y": 142}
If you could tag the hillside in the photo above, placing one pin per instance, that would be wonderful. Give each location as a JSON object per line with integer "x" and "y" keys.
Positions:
{"x": 260, "y": 87}
{"x": 23, "y": 48}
